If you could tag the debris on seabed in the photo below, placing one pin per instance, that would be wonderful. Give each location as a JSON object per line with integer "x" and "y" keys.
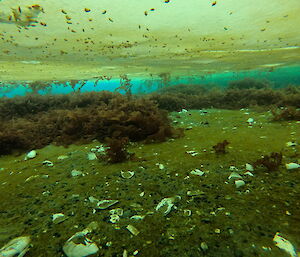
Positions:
{"x": 62, "y": 157}
{"x": 234, "y": 175}
{"x": 76, "y": 173}
{"x": 249, "y": 167}
{"x": 284, "y": 244}
{"x": 239, "y": 183}
{"x": 127, "y": 174}
{"x": 291, "y": 144}
{"x": 250, "y": 121}
{"x": 160, "y": 166}
{"x": 16, "y": 247}
{"x": 91, "y": 156}
{"x": 197, "y": 172}
{"x": 292, "y": 165}
{"x": 104, "y": 204}
{"x": 133, "y": 230}
{"x": 192, "y": 153}
{"x": 166, "y": 204}
{"x": 58, "y": 218}
{"x": 48, "y": 163}
{"x": 32, "y": 154}
{"x": 79, "y": 245}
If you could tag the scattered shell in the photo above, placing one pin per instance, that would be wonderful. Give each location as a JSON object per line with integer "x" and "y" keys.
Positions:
{"x": 137, "y": 217}
{"x": 48, "y": 163}
{"x": 166, "y": 204}
{"x": 58, "y": 218}
{"x": 239, "y": 183}
{"x": 197, "y": 192}
{"x": 104, "y": 204}
{"x": 284, "y": 244}
{"x": 204, "y": 246}
{"x": 192, "y": 153}
{"x": 76, "y": 173}
{"x": 114, "y": 218}
{"x": 234, "y": 175}
{"x": 187, "y": 212}
{"x": 127, "y": 174}
{"x": 91, "y": 156}
{"x": 93, "y": 199}
{"x": 160, "y": 166}
{"x": 249, "y": 167}
{"x": 62, "y": 157}
{"x": 292, "y": 165}
{"x": 32, "y": 154}
{"x": 117, "y": 211}
{"x": 233, "y": 168}
{"x": 249, "y": 173}
{"x": 133, "y": 230}
{"x": 197, "y": 172}
{"x": 250, "y": 121}
{"x": 79, "y": 245}
{"x": 16, "y": 247}
{"x": 291, "y": 144}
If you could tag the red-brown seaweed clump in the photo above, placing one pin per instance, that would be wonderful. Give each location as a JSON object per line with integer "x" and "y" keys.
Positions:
{"x": 104, "y": 116}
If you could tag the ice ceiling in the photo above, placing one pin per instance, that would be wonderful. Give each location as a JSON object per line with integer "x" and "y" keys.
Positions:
{"x": 84, "y": 39}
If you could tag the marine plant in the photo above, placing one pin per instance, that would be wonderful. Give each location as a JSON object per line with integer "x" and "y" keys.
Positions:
{"x": 115, "y": 117}
{"x": 220, "y": 148}
{"x": 270, "y": 162}
{"x": 117, "y": 150}
{"x": 286, "y": 113}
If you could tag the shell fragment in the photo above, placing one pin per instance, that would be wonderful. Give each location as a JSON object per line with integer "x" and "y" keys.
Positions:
{"x": 166, "y": 204}
{"x": 284, "y": 244}
{"x": 16, "y": 247}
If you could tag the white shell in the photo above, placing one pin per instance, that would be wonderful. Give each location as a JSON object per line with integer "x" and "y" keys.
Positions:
{"x": 234, "y": 175}
{"x": 197, "y": 172}
{"x": 127, "y": 174}
{"x": 32, "y": 154}
{"x": 76, "y": 173}
{"x": 72, "y": 249}
{"x": 166, "y": 204}
{"x": 292, "y": 165}
{"x": 16, "y": 247}
{"x": 249, "y": 167}
{"x": 250, "y": 120}
{"x": 58, "y": 218}
{"x": 133, "y": 230}
{"x": 48, "y": 163}
{"x": 239, "y": 183}
{"x": 284, "y": 244}
{"x": 91, "y": 156}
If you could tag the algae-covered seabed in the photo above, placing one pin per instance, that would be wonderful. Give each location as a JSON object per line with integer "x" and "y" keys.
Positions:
{"x": 231, "y": 221}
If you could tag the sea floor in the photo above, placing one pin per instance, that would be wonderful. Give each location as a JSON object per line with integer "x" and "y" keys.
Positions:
{"x": 210, "y": 217}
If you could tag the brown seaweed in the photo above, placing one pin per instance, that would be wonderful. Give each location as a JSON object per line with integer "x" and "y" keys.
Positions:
{"x": 220, "y": 148}
{"x": 271, "y": 162}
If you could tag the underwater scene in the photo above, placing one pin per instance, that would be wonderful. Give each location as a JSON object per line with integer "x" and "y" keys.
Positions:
{"x": 152, "y": 128}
